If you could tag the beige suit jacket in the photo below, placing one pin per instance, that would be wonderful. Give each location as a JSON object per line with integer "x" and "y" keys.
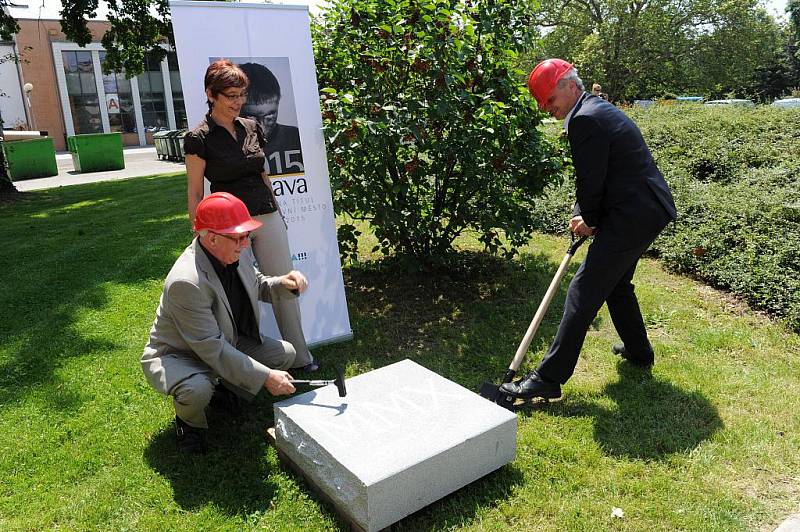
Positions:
{"x": 194, "y": 331}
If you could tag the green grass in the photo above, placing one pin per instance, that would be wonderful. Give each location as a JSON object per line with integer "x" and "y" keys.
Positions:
{"x": 709, "y": 442}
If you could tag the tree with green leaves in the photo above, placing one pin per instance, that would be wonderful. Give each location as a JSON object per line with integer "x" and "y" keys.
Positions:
{"x": 646, "y": 48}
{"x": 779, "y": 76}
{"x": 793, "y": 8}
{"x": 431, "y": 131}
{"x": 137, "y": 28}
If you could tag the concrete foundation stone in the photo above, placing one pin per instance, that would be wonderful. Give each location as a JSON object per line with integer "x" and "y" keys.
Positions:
{"x": 403, "y": 438}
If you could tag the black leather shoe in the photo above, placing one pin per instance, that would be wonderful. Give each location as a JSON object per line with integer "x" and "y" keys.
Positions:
{"x": 311, "y": 367}
{"x": 191, "y": 440}
{"x": 619, "y": 349}
{"x": 532, "y": 386}
{"x": 224, "y": 399}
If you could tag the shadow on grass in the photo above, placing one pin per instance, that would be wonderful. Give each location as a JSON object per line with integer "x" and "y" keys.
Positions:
{"x": 87, "y": 239}
{"x": 233, "y": 475}
{"x": 651, "y": 419}
{"x": 465, "y": 324}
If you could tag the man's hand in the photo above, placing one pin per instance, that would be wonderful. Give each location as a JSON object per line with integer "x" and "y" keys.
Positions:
{"x": 577, "y": 226}
{"x": 279, "y": 382}
{"x": 295, "y": 281}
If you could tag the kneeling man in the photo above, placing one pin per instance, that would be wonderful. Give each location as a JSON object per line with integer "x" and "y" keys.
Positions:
{"x": 205, "y": 340}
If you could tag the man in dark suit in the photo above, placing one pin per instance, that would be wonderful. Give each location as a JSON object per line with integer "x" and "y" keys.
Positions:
{"x": 623, "y": 200}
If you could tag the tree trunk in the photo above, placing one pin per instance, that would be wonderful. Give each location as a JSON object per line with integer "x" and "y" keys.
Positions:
{"x": 6, "y": 186}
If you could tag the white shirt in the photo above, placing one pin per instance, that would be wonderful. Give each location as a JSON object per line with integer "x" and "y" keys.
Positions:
{"x": 571, "y": 111}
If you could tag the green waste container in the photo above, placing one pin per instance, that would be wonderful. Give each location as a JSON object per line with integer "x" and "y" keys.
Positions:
{"x": 160, "y": 140}
{"x": 95, "y": 152}
{"x": 179, "y": 136}
{"x": 172, "y": 147}
{"x": 28, "y": 159}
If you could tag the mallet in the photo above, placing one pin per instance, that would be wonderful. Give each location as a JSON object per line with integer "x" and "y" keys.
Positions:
{"x": 338, "y": 381}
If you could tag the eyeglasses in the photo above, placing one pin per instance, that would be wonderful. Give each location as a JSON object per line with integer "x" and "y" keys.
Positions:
{"x": 239, "y": 239}
{"x": 238, "y": 96}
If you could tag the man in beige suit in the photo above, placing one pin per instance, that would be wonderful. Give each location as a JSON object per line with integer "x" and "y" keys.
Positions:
{"x": 206, "y": 325}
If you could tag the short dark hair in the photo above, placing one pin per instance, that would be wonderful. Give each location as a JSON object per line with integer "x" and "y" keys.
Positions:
{"x": 222, "y": 74}
{"x": 264, "y": 85}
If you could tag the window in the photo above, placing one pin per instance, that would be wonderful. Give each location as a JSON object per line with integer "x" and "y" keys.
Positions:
{"x": 177, "y": 91}
{"x": 119, "y": 101}
{"x": 82, "y": 91}
{"x": 151, "y": 94}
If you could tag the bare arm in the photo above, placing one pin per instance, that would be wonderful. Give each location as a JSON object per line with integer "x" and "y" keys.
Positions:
{"x": 195, "y": 172}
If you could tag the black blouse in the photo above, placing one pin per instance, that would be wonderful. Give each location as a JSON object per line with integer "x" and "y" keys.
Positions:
{"x": 233, "y": 165}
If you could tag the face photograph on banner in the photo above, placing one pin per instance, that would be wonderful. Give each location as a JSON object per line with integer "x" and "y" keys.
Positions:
{"x": 271, "y": 103}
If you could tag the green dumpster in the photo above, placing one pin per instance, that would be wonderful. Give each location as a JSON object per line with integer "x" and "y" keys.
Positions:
{"x": 94, "y": 152}
{"x": 179, "y": 138}
{"x": 31, "y": 158}
{"x": 172, "y": 147}
{"x": 160, "y": 140}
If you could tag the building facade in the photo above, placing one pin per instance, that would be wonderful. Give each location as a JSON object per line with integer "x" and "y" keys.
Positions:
{"x": 68, "y": 92}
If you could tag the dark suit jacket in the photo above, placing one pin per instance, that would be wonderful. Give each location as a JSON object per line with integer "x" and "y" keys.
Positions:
{"x": 619, "y": 189}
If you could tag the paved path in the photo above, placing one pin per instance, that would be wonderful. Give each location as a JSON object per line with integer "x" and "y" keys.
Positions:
{"x": 792, "y": 524}
{"x": 138, "y": 162}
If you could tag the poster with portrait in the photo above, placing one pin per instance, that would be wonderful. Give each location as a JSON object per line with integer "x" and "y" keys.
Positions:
{"x": 283, "y": 96}
{"x": 270, "y": 102}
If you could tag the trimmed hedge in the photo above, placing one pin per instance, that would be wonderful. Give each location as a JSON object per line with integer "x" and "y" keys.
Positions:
{"x": 735, "y": 174}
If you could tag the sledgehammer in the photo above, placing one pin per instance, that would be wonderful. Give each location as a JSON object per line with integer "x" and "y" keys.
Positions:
{"x": 338, "y": 381}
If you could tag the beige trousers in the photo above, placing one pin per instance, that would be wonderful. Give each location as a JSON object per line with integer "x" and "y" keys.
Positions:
{"x": 271, "y": 248}
{"x": 192, "y": 395}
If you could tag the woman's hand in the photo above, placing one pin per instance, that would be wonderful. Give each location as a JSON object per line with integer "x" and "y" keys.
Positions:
{"x": 295, "y": 281}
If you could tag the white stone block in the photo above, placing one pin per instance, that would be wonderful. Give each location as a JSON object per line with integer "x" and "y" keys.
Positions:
{"x": 403, "y": 438}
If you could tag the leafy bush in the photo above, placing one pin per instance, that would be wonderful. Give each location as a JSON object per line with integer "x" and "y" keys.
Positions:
{"x": 735, "y": 175}
{"x": 430, "y": 128}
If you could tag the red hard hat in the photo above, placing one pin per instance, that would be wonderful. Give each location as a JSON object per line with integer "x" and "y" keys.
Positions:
{"x": 544, "y": 77}
{"x": 224, "y": 213}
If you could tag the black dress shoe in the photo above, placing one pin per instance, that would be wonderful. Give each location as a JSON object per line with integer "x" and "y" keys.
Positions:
{"x": 191, "y": 440}
{"x": 226, "y": 400}
{"x": 619, "y": 349}
{"x": 532, "y": 386}
{"x": 311, "y": 367}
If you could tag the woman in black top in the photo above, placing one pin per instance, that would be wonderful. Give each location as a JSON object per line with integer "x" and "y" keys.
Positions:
{"x": 229, "y": 151}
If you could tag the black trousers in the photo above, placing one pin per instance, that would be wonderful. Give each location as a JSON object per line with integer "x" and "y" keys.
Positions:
{"x": 603, "y": 277}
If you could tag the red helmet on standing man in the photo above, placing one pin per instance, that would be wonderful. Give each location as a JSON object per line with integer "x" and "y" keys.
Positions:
{"x": 544, "y": 78}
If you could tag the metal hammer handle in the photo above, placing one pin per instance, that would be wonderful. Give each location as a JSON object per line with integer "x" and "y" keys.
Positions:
{"x": 314, "y": 383}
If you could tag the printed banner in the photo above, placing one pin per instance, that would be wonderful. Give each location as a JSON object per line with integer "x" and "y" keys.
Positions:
{"x": 272, "y": 43}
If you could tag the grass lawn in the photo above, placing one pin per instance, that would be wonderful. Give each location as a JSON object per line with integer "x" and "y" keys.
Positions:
{"x": 708, "y": 442}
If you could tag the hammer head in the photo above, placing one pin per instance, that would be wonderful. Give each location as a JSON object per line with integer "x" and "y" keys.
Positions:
{"x": 339, "y": 382}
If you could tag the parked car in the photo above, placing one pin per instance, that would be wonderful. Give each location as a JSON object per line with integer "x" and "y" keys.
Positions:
{"x": 786, "y": 103}
{"x": 643, "y": 103}
{"x": 734, "y": 101}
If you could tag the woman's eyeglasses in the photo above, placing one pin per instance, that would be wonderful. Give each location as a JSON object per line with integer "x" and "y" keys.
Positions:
{"x": 237, "y": 96}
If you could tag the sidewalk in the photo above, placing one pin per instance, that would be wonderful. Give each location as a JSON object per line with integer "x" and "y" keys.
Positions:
{"x": 138, "y": 162}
